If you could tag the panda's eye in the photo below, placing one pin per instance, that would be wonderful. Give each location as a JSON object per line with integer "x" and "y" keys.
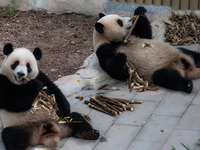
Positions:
{"x": 120, "y": 23}
{"x": 13, "y": 66}
{"x": 28, "y": 67}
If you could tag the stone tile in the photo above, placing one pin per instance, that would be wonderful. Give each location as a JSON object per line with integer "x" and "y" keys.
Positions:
{"x": 86, "y": 93}
{"x": 141, "y": 114}
{"x": 190, "y": 120}
{"x": 152, "y": 130}
{"x": 101, "y": 121}
{"x": 79, "y": 144}
{"x": 152, "y": 96}
{"x": 145, "y": 145}
{"x": 123, "y": 91}
{"x": 80, "y": 107}
{"x": 188, "y": 137}
{"x": 174, "y": 104}
{"x": 196, "y": 100}
{"x": 118, "y": 137}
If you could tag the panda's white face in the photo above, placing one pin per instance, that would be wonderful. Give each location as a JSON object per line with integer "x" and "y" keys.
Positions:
{"x": 115, "y": 27}
{"x": 20, "y": 64}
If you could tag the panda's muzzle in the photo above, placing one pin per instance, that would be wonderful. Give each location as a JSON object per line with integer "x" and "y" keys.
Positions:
{"x": 20, "y": 76}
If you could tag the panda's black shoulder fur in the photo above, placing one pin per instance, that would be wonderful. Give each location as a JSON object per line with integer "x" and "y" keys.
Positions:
{"x": 19, "y": 98}
{"x": 111, "y": 62}
{"x": 143, "y": 27}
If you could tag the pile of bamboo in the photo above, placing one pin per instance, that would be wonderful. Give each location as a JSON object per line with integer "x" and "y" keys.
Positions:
{"x": 183, "y": 29}
{"x": 110, "y": 106}
{"x": 136, "y": 82}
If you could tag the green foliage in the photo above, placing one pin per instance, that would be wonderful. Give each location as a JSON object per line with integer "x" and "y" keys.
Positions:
{"x": 187, "y": 148}
{"x": 10, "y": 8}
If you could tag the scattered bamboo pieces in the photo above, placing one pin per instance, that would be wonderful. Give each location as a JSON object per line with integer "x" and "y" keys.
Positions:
{"x": 79, "y": 97}
{"x": 136, "y": 82}
{"x": 87, "y": 117}
{"x": 135, "y": 19}
{"x": 67, "y": 120}
{"x": 48, "y": 103}
{"x": 183, "y": 29}
{"x": 110, "y": 106}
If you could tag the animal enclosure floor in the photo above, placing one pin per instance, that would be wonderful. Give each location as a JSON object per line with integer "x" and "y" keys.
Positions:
{"x": 165, "y": 118}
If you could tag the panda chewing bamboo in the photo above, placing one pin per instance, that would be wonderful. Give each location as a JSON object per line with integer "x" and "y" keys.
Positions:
{"x": 28, "y": 121}
{"x": 156, "y": 62}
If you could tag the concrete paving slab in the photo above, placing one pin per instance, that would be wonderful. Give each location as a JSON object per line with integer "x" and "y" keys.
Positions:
{"x": 190, "y": 120}
{"x": 140, "y": 115}
{"x": 145, "y": 145}
{"x": 189, "y": 138}
{"x": 157, "y": 128}
{"x": 180, "y": 100}
{"x": 118, "y": 137}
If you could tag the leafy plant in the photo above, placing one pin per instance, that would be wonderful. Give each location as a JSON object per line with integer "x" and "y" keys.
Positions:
{"x": 10, "y": 8}
{"x": 187, "y": 148}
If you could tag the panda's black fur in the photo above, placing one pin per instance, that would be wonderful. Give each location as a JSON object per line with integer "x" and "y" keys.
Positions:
{"x": 29, "y": 130}
{"x": 113, "y": 55}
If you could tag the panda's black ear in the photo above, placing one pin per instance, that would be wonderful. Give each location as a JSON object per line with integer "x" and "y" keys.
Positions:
{"x": 101, "y": 15}
{"x": 37, "y": 53}
{"x": 99, "y": 27}
{"x": 8, "y": 48}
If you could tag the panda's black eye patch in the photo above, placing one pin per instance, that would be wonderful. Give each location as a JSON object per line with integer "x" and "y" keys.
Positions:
{"x": 120, "y": 23}
{"x": 28, "y": 67}
{"x": 13, "y": 66}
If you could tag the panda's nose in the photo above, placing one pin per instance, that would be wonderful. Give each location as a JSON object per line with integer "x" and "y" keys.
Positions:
{"x": 20, "y": 74}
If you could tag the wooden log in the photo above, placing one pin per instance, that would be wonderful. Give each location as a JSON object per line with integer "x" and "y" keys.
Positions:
{"x": 130, "y": 1}
{"x": 175, "y": 4}
{"x": 157, "y": 2}
{"x": 185, "y": 4}
{"x": 148, "y": 2}
{"x": 166, "y": 2}
{"x": 193, "y": 4}
{"x": 139, "y": 1}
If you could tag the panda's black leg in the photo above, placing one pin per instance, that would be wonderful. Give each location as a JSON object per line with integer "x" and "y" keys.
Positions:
{"x": 82, "y": 129}
{"x": 15, "y": 138}
{"x": 193, "y": 54}
{"x": 172, "y": 79}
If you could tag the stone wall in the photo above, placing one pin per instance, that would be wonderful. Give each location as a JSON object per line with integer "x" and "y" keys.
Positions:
{"x": 89, "y": 7}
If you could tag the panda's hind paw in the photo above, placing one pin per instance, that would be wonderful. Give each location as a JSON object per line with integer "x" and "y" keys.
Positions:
{"x": 88, "y": 135}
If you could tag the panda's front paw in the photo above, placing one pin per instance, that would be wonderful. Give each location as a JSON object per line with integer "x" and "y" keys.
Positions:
{"x": 140, "y": 11}
{"x": 36, "y": 84}
{"x": 88, "y": 135}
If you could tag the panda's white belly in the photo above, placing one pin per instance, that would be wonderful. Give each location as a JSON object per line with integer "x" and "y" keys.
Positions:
{"x": 148, "y": 55}
{"x": 12, "y": 118}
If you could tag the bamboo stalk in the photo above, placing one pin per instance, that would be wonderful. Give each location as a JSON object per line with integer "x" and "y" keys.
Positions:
{"x": 131, "y": 29}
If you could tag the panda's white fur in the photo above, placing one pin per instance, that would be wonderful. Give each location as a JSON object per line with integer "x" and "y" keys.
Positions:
{"x": 145, "y": 55}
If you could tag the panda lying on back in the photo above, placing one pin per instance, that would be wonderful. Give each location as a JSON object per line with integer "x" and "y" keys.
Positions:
{"x": 22, "y": 128}
{"x": 159, "y": 63}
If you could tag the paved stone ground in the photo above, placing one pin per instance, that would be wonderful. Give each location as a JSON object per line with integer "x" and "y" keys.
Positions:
{"x": 164, "y": 119}
{"x": 175, "y": 113}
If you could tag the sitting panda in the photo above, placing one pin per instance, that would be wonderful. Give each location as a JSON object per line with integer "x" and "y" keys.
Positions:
{"x": 22, "y": 128}
{"x": 159, "y": 62}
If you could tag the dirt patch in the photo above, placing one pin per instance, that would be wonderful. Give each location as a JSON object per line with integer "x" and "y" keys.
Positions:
{"x": 65, "y": 40}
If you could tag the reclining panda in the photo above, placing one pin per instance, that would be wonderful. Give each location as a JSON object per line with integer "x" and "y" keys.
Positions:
{"x": 159, "y": 63}
{"x": 22, "y": 128}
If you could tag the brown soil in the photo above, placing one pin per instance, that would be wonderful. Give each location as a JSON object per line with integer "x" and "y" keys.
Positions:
{"x": 65, "y": 40}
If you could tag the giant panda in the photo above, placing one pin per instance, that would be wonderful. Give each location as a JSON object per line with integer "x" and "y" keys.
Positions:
{"x": 158, "y": 63}
{"x": 22, "y": 128}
